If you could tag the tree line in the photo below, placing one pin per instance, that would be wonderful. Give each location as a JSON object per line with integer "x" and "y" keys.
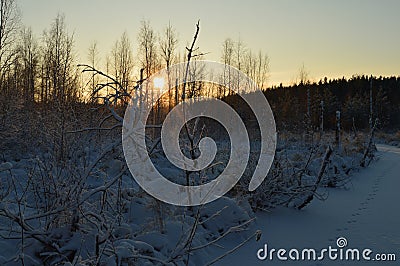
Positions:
{"x": 45, "y": 71}
{"x": 39, "y": 78}
{"x": 359, "y": 99}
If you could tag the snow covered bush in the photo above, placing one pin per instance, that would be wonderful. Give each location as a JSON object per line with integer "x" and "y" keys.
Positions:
{"x": 297, "y": 165}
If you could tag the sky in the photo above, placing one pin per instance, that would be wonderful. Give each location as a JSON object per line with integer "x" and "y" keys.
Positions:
{"x": 331, "y": 38}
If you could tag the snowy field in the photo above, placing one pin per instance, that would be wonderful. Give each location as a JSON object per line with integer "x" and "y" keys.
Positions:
{"x": 94, "y": 212}
{"x": 366, "y": 214}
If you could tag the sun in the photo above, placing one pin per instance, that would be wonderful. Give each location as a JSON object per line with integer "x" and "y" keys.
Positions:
{"x": 158, "y": 83}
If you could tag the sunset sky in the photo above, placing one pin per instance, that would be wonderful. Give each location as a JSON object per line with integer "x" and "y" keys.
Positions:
{"x": 331, "y": 38}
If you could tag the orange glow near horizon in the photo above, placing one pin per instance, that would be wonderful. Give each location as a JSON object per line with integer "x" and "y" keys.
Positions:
{"x": 331, "y": 38}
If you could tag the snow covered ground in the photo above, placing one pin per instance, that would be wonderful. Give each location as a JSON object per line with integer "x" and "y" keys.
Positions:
{"x": 366, "y": 213}
{"x": 363, "y": 211}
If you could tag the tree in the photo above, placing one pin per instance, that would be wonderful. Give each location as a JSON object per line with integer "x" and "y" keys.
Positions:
{"x": 168, "y": 43}
{"x": 239, "y": 52}
{"x": 227, "y": 58}
{"x": 9, "y": 25}
{"x": 29, "y": 54}
{"x": 147, "y": 49}
{"x": 147, "y": 52}
{"x": 58, "y": 62}
{"x": 262, "y": 70}
{"x": 257, "y": 67}
{"x": 59, "y": 79}
{"x": 122, "y": 60}
{"x": 303, "y": 75}
{"x": 93, "y": 57}
{"x": 304, "y": 81}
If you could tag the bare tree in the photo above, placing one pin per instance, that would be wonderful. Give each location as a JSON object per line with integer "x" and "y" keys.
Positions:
{"x": 122, "y": 60}
{"x": 9, "y": 24}
{"x": 303, "y": 75}
{"x": 29, "y": 54}
{"x": 93, "y": 57}
{"x": 227, "y": 51}
{"x": 147, "y": 49}
{"x": 147, "y": 52}
{"x": 168, "y": 43}
{"x": 60, "y": 80}
{"x": 239, "y": 52}
{"x": 304, "y": 80}
{"x": 10, "y": 69}
{"x": 262, "y": 70}
{"x": 256, "y": 66}
{"x": 197, "y": 72}
{"x": 227, "y": 58}
{"x": 58, "y": 61}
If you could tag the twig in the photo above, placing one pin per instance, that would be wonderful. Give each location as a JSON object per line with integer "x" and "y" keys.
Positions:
{"x": 94, "y": 128}
{"x": 255, "y": 234}
{"x": 236, "y": 228}
{"x": 321, "y": 173}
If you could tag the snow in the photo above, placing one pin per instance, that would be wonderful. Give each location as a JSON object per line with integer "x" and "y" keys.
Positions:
{"x": 5, "y": 166}
{"x": 358, "y": 209}
{"x": 365, "y": 212}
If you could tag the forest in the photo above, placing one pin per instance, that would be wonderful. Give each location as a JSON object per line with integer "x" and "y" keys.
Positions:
{"x": 355, "y": 97}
